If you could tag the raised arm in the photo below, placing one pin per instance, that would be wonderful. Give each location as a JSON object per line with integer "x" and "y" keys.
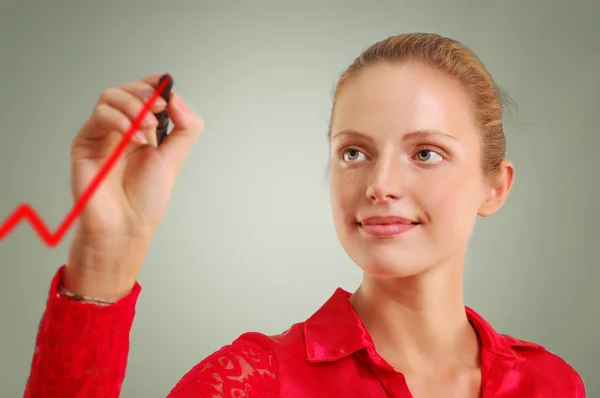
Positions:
{"x": 82, "y": 346}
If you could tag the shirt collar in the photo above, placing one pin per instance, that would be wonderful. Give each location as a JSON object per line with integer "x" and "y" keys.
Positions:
{"x": 335, "y": 331}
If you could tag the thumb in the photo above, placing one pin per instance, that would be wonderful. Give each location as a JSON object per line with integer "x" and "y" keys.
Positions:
{"x": 187, "y": 126}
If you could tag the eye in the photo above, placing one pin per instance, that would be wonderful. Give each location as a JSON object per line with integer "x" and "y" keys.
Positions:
{"x": 428, "y": 156}
{"x": 352, "y": 155}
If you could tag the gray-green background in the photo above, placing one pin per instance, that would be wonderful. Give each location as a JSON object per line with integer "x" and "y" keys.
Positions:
{"x": 247, "y": 243}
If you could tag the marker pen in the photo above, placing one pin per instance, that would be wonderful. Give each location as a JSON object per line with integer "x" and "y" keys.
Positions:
{"x": 163, "y": 117}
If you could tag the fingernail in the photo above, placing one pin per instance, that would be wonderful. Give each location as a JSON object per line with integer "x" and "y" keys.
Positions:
{"x": 150, "y": 119}
{"x": 159, "y": 101}
{"x": 140, "y": 137}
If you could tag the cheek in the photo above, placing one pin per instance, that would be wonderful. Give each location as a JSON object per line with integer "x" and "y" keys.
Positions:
{"x": 451, "y": 203}
{"x": 346, "y": 191}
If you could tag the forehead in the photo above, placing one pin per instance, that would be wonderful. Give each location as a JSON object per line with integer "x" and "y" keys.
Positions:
{"x": 402, "y": 98}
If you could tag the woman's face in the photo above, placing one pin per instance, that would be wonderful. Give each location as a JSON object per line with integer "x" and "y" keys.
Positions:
{"x": 405, "y": 172}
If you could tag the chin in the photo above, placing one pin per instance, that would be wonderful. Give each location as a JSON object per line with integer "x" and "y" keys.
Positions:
{"x": 388, "y": 260}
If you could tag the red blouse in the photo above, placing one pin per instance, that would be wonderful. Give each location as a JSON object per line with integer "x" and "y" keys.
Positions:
{"x": 81, "y": 351}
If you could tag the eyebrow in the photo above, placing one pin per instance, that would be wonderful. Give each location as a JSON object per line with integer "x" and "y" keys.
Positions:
{"x": 412, "y": 136}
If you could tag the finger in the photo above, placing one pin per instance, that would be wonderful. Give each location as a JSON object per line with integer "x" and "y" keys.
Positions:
{"x": 106, "y": 119}
{"x": 131, "y": 106}
{"x": 152, "y": 79}
{"x": 187, "y": 126}
{"x": 144, "y": 92}
{"x": 128, "y": 103}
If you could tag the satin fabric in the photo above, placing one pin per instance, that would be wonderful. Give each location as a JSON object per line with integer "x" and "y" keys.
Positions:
{"x": 332, "y": 355}
{"x": 81, "y": 351}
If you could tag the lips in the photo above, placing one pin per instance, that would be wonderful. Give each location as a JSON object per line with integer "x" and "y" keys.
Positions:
{"x": 386, "y": 227}
{"x": 387, "y": 220}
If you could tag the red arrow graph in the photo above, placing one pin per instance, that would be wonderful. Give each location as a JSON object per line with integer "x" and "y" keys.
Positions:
{"x": 26, "y": 212}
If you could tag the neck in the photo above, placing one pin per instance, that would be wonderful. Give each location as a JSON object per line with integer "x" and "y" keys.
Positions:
{"x": 419, "y": 323}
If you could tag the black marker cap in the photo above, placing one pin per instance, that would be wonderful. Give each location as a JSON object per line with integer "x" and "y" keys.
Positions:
{"x": 163, "y": 117}
{"x": 166, "y": 94}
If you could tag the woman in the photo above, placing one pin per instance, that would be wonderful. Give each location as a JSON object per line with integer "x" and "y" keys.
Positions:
{"x": 417, "y": 153}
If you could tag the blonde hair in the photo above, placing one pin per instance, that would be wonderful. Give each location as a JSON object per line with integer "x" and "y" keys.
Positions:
{"x": 458, "y": 61}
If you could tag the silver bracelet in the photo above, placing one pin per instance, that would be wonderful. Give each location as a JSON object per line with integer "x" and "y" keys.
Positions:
{"x": 83, "y": 299}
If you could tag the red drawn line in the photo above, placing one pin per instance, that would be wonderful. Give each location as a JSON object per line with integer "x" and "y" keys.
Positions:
{"x": 25, "y": 211}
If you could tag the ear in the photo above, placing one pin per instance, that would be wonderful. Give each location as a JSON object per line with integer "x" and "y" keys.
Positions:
{"x": 498, "y": 190}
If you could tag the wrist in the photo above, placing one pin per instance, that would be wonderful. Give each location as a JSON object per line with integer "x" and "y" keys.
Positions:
{"x": 104, "y": 270}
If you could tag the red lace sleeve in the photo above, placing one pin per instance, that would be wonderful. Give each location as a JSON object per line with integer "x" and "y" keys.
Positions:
{"x": 81, "y": 349}
{"x": 246, "y": 368}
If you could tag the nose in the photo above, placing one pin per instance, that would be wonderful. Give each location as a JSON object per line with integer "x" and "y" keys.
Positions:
{"x": 386, "y": 182}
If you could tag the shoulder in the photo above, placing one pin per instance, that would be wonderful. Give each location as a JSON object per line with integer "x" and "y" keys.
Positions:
{"x": 246, "y": 365}
{"x": 538, "y": 363}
